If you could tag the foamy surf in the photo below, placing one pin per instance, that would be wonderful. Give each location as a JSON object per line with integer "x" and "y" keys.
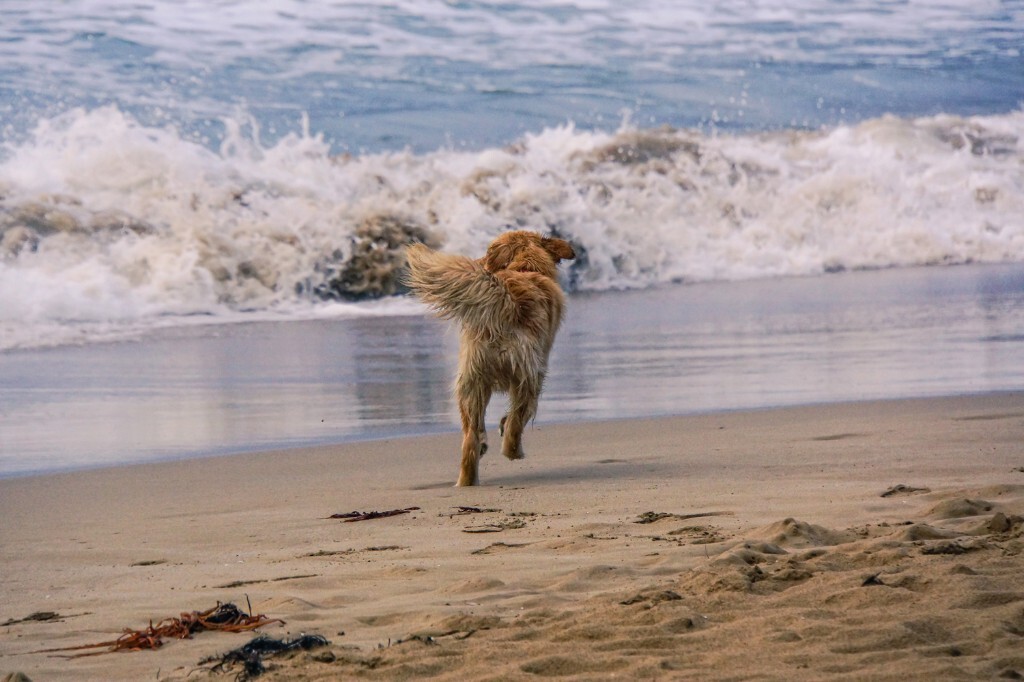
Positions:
{"x": 110, "y": 227}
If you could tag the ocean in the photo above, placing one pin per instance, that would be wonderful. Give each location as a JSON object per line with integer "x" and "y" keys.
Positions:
{"x": 203, "y": 205}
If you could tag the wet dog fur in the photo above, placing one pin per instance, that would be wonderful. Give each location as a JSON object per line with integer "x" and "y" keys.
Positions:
{"x": 509, "y": 305}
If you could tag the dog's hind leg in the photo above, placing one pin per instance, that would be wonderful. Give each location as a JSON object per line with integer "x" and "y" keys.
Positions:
{"x": 472, "y": 406}
{"x": 522, "y": 406}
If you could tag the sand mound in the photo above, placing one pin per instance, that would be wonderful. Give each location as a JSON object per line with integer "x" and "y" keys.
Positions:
{"x": 960, "y": 508}
{"x": 920, "y": 599}
{"x": 794, "y": 534}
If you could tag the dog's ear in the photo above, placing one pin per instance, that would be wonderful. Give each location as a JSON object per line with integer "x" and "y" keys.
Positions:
{"x": 559, "y": 248}
{"x": 498, "y": 257}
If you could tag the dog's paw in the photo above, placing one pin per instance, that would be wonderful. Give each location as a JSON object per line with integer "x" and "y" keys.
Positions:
{"x": 514, "y": 454}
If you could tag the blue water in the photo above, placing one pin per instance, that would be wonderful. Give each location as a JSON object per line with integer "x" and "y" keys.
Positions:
{"x": 431, "y": 74}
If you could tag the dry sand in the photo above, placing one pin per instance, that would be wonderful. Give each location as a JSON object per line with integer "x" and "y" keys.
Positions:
{"x": 772, "y": 553}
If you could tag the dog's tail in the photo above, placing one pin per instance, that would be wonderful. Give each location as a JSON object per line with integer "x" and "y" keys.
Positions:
{"x": 459, "y": 288}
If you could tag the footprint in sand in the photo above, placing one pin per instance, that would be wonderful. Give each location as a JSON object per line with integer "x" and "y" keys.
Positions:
{"x": 838, "y": 436}
{"x": 472, "y": 586}
{"x": 563, "y": 666}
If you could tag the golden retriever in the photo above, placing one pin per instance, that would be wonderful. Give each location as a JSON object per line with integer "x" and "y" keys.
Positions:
{"x": 509, "y": 305}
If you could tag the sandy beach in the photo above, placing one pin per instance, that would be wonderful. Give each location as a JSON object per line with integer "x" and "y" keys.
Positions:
{"x": 781, "y": 435}
{"x": 875, "y": 540}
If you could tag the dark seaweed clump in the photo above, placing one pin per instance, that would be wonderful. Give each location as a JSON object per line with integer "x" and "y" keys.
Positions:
{"x": 250, "y": 655}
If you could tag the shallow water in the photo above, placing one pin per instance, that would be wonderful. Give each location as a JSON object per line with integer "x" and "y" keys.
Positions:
{"x": 207, "y": 390}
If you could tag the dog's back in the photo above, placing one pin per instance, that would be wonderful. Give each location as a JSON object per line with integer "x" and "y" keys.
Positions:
{"x": 459, "y": 288}
{"x": 509, "y": 317}
{"x": 510, "y": 306}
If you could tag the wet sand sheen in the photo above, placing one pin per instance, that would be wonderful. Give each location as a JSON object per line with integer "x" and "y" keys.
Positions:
{"x": 676, "y": 350}
{"x": 878, "y": 539}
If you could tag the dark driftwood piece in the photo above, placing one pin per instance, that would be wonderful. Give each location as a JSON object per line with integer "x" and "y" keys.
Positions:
{"x": 462, "y": 511}
{"x": 37, "y": 617}
{"x": 349, "y": 517}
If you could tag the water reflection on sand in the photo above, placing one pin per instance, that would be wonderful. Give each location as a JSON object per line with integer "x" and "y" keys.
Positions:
{"x": 675, "y": 350}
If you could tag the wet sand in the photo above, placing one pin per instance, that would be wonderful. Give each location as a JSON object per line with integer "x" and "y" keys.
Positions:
{"x": 771, "y": 552}
{"x": 209, "y": 389}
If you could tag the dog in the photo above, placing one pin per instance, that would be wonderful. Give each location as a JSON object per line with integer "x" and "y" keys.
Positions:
{"x": 509, "y": 305}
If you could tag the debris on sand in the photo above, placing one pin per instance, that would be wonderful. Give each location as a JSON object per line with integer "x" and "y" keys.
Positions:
{"x": 250, "y": 655}
{"x": 37, "y": 617}
{"x": 901, "y": 489}
{"x": 462, "y": 511}
{"x": 505, "y": 524}
{"x": 242, "y": 583}
{"x": 499, "y": 546}
{"x": 224, "y": 617}
{"x": 349, "y": 517}
{"x": 653, "y": 517}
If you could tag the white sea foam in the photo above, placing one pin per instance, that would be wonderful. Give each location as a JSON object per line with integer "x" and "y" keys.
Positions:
{"x": 109, "y": 225}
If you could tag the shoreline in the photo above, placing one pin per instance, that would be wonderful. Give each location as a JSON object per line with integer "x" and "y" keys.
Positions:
{"x": 679, "y": 350}
{"x": 772, "y": 520}
{"x": 409, "y": 433}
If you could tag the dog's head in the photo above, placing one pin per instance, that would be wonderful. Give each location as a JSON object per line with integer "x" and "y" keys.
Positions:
{"x": 524, "y": 251}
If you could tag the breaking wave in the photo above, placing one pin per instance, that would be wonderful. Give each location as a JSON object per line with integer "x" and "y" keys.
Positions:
{"x": 104, "y": 221}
